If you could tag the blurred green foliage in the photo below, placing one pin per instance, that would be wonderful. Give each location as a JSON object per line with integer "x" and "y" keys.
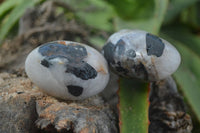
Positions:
{"x": 133, "y": 9}
{"x": 177, "y": 21}
{"x": 10, "y": 12}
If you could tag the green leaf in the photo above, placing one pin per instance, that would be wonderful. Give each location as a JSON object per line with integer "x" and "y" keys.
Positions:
{"x": 133, "y": 9}
{"x": 190, "y": 16}
{"x": 182, "y": 34}
{"x": 188, "y": 75}
{"x": 14, "y": 16}
{"x": 95, "y": 13}
{"x": 133, "y": 106}
{"x": 7, "y": 5}
{"x": 151, "y": 25}
{"x": 176, "y": 6}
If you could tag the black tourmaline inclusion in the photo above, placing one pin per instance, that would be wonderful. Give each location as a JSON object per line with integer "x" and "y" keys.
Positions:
{"x": 154, "y": 45}
{"x": 74, "y": 53}
{"x": 75, "y": 90}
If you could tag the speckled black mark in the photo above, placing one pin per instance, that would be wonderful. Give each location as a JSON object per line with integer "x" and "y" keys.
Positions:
{"x": 154, "y": 45}
{"x": 131, "y": 54}
{"x": 74, "y": 54}
{"x": 45, "y": 63}
{"x": 75, "y": 90}
{"x": 109, "y": 52}
{"x": 82, "y": 70}
{"x": 120, "y": 47}
{"x": 141, "y": 70}
{"x": 120, "y": 69}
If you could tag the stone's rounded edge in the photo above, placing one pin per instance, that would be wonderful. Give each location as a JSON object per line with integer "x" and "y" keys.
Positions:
{"x": 67, "y": 70}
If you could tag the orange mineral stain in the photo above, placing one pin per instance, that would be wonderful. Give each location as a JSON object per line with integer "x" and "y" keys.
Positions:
{"x": 62, "y": 42}
{"x": 101, "y": 70}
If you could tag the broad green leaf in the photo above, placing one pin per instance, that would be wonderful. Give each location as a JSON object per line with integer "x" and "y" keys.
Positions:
{"x": 95, "y": 13}
{"x": 7, "y": 5}
{"x": 133, "y": 106}
{"x": 188, "y": 75}
{"x": 176, "y": 6}
{"x": 14, "y": 16}
{"x": 184, "y": 35}
{"x": 151, "y": 25}
{"x": 191, "y": 17}
{"x": 133, "y": 9}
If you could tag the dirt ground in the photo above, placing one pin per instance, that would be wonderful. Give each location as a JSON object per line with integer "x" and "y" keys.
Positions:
{"x": 24, "y": 108}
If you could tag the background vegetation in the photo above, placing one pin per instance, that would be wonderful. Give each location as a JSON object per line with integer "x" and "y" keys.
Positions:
{"x": 177, "y": 21}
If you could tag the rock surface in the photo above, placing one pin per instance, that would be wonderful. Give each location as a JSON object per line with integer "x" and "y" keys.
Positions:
{"x": 24, "y": 108}
{"x": 167, "y": 113}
